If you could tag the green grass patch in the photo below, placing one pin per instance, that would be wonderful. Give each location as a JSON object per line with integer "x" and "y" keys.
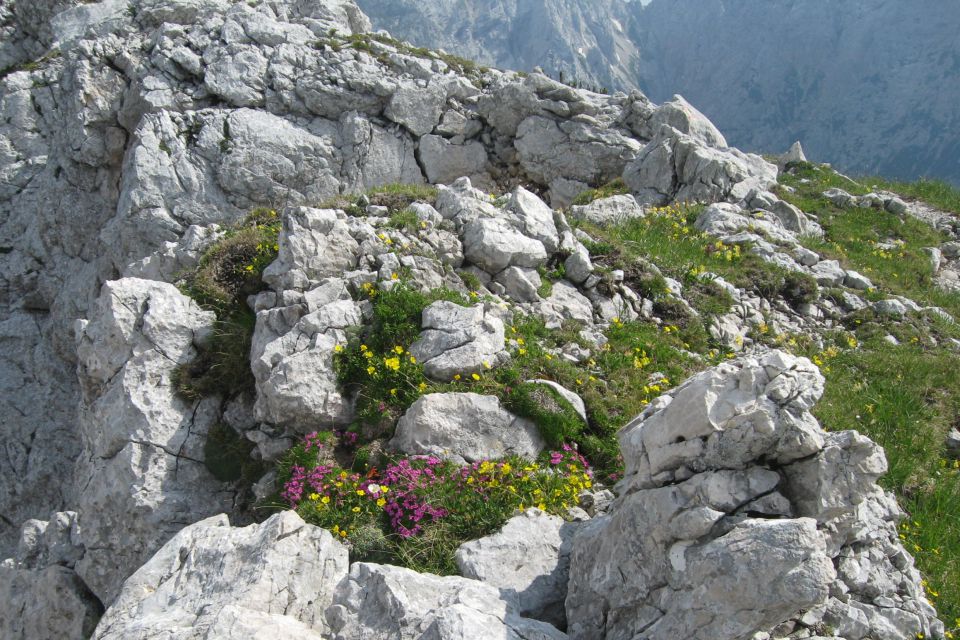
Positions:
{"x": 222, "y": 365}
{"x": 906, "y": 398}
{"x": 615, "y": 187}
{"x": 937, "y": 193}
{"x": 882, "y": 246}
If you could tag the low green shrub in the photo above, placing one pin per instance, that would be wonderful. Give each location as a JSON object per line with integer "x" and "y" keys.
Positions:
{"x": 226, "y": 454}
{"x": 613, "y": 188}
{"x": 222, "y": 365}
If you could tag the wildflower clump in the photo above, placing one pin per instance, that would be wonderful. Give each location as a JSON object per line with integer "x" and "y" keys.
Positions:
{"x": 418, "y": 510}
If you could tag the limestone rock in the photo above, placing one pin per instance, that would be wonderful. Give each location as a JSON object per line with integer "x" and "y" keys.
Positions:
{"x": 692, "y": 557}
{"x": 141, "y": 474}
{"x": 520, "y": 284}
{"x": 417, "y": 108}
{"x": 380, "y": 602}
{"x": 444, "y": 161}
{"x": 528, "y": 560}
{"x": 459, "y": 340}
{"x": 675, "y": 166}
{"x": 49, "y": 603}
{"x": 684, "y": 117}
{"x": 493, "y": 244}
{"x": 314, "y": 244}
{"x": 264, "y": 579}
{"x": 610, "y": 210}
{"x": 533, "y": 218}
{"x": 292, "y": 360}
{"x": 464, "y": 427}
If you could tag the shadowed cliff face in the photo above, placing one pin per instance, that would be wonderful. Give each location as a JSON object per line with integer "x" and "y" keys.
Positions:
{"x": 865, "y": 85}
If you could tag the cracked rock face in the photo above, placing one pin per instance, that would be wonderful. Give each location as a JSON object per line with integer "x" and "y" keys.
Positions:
{"x": 212, "y": 580}
{"x": 738, "y": 513}
{"x": 140, "y": 476}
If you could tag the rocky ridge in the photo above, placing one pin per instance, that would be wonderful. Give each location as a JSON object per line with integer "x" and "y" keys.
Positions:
{"x": 803, "y": 73}
{"x": 194, "y": 113}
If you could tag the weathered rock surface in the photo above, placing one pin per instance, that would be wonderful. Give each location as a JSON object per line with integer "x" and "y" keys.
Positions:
{"x": 611, "y": 210}
{"x": 459, "y": 340}
{"x": 141, "y": 474}
{"x": 212, "y": 580}
{"x": 48, "y": 603}
{"x": 381, "y": 601}
{"x": 464, "y": 427}
{"x": 703, "y": 464}
{"x": 528, "y": 560}
{"x": 292, "y": 359}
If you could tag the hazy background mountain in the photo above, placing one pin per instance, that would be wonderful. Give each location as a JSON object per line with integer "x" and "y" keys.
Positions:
{"x": 869, "y": 85}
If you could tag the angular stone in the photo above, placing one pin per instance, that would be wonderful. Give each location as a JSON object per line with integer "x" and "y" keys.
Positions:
{"x": 459, "y": 340}
{"x": 535, "y": 547}
{"x": 444, "y": 161}
{"x": 314, "y": 244}
{"x": 464, "y": 427}
{"x": 278, "y": 575}
{"x": 417, "y": 108}
{"x": 612, "y": 210}
{"x": 383, "y": 602}
{"x": 492, "y": 244}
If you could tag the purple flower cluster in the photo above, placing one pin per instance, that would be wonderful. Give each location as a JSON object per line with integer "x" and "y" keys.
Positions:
{"x": 300, "y": 479}
{"x": 405, "y": 508}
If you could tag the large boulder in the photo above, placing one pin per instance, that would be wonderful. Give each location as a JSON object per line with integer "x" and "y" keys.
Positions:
{"x": 292, "y": 359}
{"x": 314, "y": 244}
{"x": 535, "y": 546}
{"x": 459, "y": 340}
{"x": 610, "y": 210}
{"x": 675, "y": 166}
{"x": 465, "y": 427}
{"x": 141, "y": 475}
{"x": 738, "y": 513}
{"x": 382, "y": 602}
{"x": 49, "y": 603}
{"x": 493, "y": 244}
{"x": 212, "y": 580}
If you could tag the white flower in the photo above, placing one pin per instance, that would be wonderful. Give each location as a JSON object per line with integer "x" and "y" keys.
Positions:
{"x": 373, "y": 489}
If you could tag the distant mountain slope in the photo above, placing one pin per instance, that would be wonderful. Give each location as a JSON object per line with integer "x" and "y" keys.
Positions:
{"x": 869, "y": 85}
{"x": 582, "y": 39}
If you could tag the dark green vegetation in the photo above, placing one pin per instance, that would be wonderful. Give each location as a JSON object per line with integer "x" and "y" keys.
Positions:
{"x": 229, "y": 271}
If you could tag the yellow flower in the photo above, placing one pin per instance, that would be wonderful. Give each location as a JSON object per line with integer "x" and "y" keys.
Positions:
{"x": 474, "y": 376}
{"x": 363, "y": 347}
{"x": 422, "y": 387}
{"x": 522, "y": 352}
{"x": 325, "y": 499}
{"x": 394, "y": 276}
{"x": 456, "y": 376}
{"x": 398, "y": 350}
{"x": 381, "y": 502}
{"x": 356, "y": 509}
{"x": 371, "y": 370}
{"x": 343, "y": 533}
{"x": 392, "y": 363}
{"x": 393, "y": 392}
{"x": 338, "y": 348}
{"x": 361, "y": 492}
{"x": 413, "y": 360}
{"x": 314, "y": 496}
{"x": 486, "y": 364}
